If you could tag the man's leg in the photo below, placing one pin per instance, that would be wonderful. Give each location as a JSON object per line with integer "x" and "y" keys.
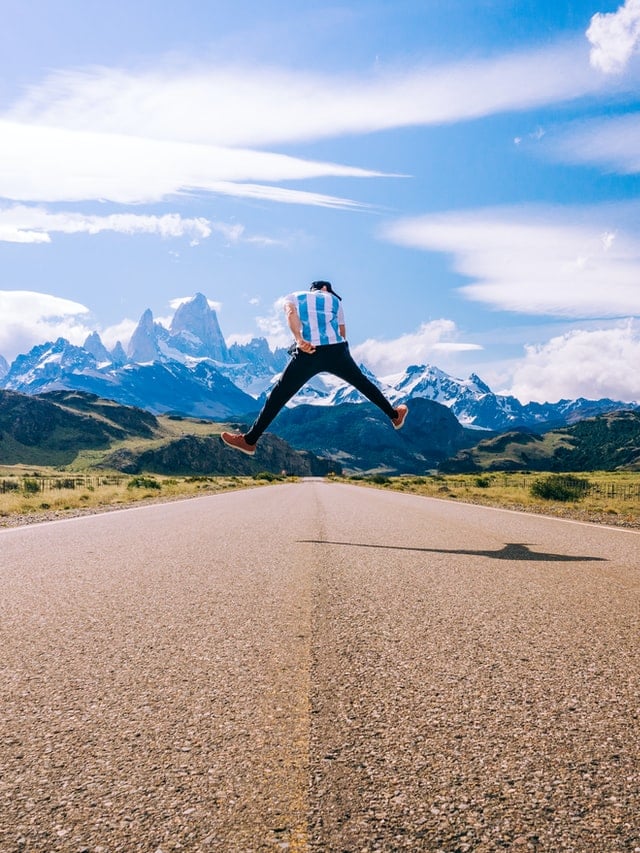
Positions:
{"x": 344, "y": 367}
{"x": 300, "y": 369}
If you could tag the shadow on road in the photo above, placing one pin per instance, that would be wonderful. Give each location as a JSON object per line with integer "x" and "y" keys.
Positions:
{"x": 511, "y": 551}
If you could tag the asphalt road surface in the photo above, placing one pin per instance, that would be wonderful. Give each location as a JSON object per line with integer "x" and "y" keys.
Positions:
{"x": 319, "y": 667}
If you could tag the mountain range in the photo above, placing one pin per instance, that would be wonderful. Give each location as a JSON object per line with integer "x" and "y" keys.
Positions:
{"x": 188, "y": 369}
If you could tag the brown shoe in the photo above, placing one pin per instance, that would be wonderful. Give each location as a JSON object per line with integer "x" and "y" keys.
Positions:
{"x": 401, "y": 416}
{"x": 237, "y": 442}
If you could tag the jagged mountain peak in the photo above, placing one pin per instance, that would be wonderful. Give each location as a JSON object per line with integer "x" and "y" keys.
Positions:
{"x": 118, "y": 355}
{"x": 143, "y": 346}
{"x": 93, "y": 344}
{"x": 195, "y": 330}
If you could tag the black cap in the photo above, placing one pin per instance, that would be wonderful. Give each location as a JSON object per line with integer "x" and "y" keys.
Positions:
{"x": 319, "y": 285}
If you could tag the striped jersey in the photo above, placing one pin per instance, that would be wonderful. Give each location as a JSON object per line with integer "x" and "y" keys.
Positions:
{"x": 320, "y": 314}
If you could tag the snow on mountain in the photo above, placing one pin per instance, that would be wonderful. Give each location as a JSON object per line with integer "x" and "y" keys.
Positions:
{"x": 189, "y": 368}
{"x": 144, "y": 344}
{"x": 93, "y": 344}
{"x": 195, "y": 330}
{"x": 48, "y": 366}
{"x": 475, "y": 405}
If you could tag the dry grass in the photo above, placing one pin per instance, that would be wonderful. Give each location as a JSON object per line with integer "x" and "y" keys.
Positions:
{"x": 614, "y": 497}
{"x": 34, "y": 494}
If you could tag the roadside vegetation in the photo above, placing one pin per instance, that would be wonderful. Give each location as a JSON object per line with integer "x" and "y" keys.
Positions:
{"x": 605, "y": 497}
{"x": 31, "y": 494}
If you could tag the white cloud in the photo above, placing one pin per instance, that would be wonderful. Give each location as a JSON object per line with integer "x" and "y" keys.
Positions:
{"x": 257, "y": 106}
{"x": 20, "y": 223}
{"x": 612, "y": 143}
{"x": 29, "y": 318}
{"x": 591, "y": 364}
{"x": 42, "y": 163}
{"x": 615, "y": 37}
{"x": 431, "y": 340}
{"x": 273, "y": 326}
{"x": 134, "y": 137}
{"x": 559, "y": 262}
{"x": 121, "y": 331}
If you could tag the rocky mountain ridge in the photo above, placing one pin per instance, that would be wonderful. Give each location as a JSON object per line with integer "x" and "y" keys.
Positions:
{"x": 189, "y": 369}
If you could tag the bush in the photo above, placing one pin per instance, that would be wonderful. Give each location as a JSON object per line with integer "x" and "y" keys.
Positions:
{"x": 142, "y": 482}
{"x": 380, "y": 480}
{"x": 266, "y": 475}
{"x": 65, "y": 483}
{"x": 558, "y": 488}
{"x": 483, "y": 482}
{"x": 30, "y": 487}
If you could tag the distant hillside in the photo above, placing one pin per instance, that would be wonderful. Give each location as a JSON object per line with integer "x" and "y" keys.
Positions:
{"x": 361, "y": 438}
{"x": 52, "y": 429}
{"x": 61, "y": 427}
{"x": 606, "y": 443}
{"x": 197, "y": 454}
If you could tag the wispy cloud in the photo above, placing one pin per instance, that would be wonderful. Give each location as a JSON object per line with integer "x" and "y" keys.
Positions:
{"x": 258, "y": 106}
{"x": 430, "y": 341}
{"x": 615, "y": 37}
{"x": 582, "y": 363}
{"x": 611, "y": 143}
{"x": 42, "y": 163}
{"x": 547, "y": 261}
{"x": 139, "y": 137}
{"x": 23, "y": 224}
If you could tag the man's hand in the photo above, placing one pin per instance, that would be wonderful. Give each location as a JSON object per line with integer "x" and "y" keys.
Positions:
{"x": 305, "y": 346}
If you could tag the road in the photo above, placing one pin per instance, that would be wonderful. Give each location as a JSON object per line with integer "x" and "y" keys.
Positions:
{"x": 319, "y": 667}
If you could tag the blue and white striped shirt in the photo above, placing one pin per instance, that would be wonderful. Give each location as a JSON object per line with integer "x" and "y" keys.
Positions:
{"x": 320, "y": 314}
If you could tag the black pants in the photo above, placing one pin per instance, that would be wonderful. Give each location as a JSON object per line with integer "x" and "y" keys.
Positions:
{"x": 332, "y": 358}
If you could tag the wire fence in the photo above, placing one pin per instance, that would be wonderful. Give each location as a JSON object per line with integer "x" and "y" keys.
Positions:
{"x": 611, "y": 489}
{"x": 35, "y": 483}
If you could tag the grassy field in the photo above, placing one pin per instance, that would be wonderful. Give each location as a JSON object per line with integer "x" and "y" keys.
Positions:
{"x": 30, "y": 494}
{"x": 604, "y": 497}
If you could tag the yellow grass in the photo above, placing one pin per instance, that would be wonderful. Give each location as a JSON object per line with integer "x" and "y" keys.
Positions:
{"x": 94, "y": 494}
{"x": 513, "y": 491}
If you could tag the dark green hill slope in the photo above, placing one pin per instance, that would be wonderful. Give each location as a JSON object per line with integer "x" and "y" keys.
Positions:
{"x": 605, "y": 443}
{"x": 42, "y": 431}
{"x": 55, "y": 428}
{"x": 360, "y": 437}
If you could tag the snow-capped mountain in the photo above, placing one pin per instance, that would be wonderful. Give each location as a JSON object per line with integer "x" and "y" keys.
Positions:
{"x": 157, "y": 386}
{"x": 189, "y": 368}
{"x": 475, "y": 405}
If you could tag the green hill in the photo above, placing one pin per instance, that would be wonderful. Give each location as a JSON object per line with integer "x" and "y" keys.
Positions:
{"x": 77, "y": 429}
{"x": 360, "y": 437}
{"x": 605, "y": 443}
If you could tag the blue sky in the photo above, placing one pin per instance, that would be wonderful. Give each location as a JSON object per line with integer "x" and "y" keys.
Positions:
{"x": 465, "y": 173}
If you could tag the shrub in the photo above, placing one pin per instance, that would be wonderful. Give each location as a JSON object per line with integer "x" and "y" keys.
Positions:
{"x": 483, "y": 482}
{"x": 30, "y": 487}
{"x": 380, "y": 480}
{"x": 266, "y": 475}
{"x": 560, "y": 488}
{"x": 142, "y": 482}
{"x": 65, "y": 483}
